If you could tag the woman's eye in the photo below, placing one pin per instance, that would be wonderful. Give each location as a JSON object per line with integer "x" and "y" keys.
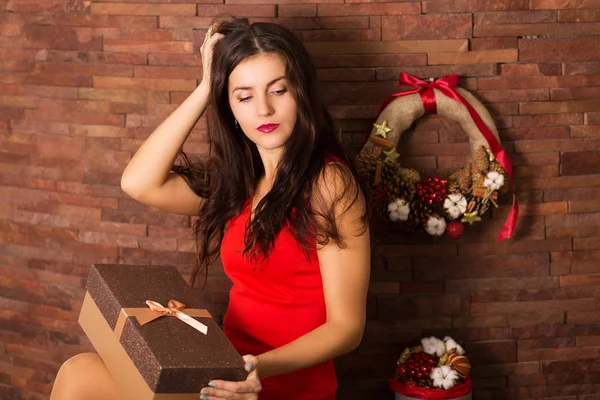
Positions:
{"x": 280, "y": 92}
{"x": 245, "y": 99}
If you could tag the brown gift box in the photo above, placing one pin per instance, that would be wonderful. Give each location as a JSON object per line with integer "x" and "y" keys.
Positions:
{"x": 165, "y": 359}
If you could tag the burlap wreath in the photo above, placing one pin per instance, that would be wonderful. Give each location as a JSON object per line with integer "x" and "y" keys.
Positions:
{"x": 402, "y": 195}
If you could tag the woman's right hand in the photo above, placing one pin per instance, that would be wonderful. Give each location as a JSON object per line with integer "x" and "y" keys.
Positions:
{"x": 206, "y": 51}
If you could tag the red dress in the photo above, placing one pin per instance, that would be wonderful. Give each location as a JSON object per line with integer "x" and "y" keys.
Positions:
{"x": 279, "y": 301}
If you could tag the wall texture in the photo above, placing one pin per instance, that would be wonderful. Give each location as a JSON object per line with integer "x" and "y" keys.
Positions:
{"x": 82, "y": 83}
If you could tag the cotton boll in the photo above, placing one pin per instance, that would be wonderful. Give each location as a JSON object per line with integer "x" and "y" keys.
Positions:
{"x": 440, "y": 347}
{"x": 436, "y": 373}
{"x": 451, "y": 344}
{"x": 433, "y": 346}
{"x": 428, "y": 346}
{"x": 450, "y": 379}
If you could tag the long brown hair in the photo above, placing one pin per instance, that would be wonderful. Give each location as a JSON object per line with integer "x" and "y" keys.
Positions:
{"x": 234, "y": 166}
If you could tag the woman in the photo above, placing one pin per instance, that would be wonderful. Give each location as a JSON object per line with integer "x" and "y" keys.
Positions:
{"x": 278, "y": 201}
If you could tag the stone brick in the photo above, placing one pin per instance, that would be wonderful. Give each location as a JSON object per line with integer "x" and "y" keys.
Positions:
{"x": 574, "y": 94}
{"x": 547, "y": 29}
{"x": 478, "y": 44}
{"x": 325, "y": 10}
{"x": 532, "y": 306}
{"x": 500, "y": 352}
{"x": 445, "y": 6}
{"x": 50, "y": 6}
{"x": 297, "y": 10}
{"x": 554, "y": 145}
{"x": 530, "y": 265}
{"x": 558, "y": 354}
{"x": 559, "y": 49}
{"x": 474, "y": 57}
{"x": 348, "y": 35}
{"x": 562, "y": 4}
{"x": 167, "y": 72}
{"x": 547, "y": 120}
{"x": 143, "y": 9}
{"x": 530, "y": 69}
{"x": 585, "y": 131}
{"x": 147, "y": 46}
{"x": 377, "y": 60}
{"x": 144, "y": 83}
{"x": 348, "y": 74}
{"x": 464, "y": 70}
{"x": 407, "y": 27}
{"x": 255, "y": 10}
{"x": 491, "y": 284}
{"x": 581, "y": 15}
{"x": 61, "y": 38}
{"x": 514, "y": 17}
{"x": 580, "y": 162}
{"x": 559, "y": 107}
{"x": 574, "y": 225}
{"x": 584, "y": 206}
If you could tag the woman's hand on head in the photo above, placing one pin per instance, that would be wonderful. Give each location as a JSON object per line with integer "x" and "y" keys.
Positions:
{"x": 206, "y": 51}
{"x": 243, "y": 390}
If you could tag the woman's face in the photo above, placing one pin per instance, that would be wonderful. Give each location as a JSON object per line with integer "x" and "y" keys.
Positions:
{"x": 260, "y": 99}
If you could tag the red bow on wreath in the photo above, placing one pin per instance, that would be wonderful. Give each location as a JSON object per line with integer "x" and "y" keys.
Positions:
{"x": 445, "y": 85}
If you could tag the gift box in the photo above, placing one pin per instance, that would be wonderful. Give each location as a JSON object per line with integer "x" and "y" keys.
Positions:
{"x": 150, "y": 351}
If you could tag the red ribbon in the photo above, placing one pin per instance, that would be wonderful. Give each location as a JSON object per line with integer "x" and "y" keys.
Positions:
{"x": 418, "y": 392}
{"x": 445, "y": 85}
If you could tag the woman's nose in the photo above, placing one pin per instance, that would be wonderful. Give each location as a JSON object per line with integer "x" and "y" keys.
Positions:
{"x": 264, "y": 107}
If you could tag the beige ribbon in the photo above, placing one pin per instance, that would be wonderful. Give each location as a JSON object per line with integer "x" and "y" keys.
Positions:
{"x": 156, "y": 310}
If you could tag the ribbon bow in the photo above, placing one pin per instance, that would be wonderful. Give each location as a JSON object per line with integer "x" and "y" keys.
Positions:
{"x": 157, "y": 310}
{"x": 425, "y": 90}
{"x": 445, "y": 85}
{"x": 173, "y": 309}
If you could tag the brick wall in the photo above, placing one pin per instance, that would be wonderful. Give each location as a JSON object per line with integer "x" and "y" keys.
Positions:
{"x": 82, "y": 83}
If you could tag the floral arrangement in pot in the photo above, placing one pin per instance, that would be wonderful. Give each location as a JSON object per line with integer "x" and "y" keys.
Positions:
{"x": 436, "y": 369}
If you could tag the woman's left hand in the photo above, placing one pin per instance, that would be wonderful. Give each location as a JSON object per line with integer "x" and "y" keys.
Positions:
{"x": 243, "y": 390}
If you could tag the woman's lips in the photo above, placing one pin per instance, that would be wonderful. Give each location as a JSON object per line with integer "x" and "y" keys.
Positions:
{"x": 266, "y": 128}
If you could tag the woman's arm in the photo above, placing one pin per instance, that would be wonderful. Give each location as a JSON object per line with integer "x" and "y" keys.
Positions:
{"x": 345, "y": 274}
{"x": 148, "y": 177}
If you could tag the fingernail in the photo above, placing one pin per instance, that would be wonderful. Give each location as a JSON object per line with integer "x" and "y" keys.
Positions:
{"x": 203, "y": 397}
{"x": 249, "y": 367}
{"x": 212, "y": 384}
{"x": 204, "y": 392}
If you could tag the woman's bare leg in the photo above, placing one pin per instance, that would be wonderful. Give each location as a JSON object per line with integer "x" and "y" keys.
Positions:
{"x": 85, "y": 377}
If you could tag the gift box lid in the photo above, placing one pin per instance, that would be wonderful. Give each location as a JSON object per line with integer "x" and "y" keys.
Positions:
{"x": 172, "y": 356}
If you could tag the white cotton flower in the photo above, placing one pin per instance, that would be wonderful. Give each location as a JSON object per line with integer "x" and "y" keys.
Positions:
{"x": 399, "y": 210}
{"x": 451, "y": 344}
{"x": 435, "y": 226}
{"x": 494, "y": 180}
{"x": 455, "y": 205}
{"x": 433, "y": 346}
{"x": 443, "y": 377}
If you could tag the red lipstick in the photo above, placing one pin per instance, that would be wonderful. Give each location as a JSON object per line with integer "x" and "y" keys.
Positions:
{"x": 266, "y": 128}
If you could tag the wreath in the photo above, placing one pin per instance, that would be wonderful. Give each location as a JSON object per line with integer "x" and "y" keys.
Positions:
{"x": 403, "y": 196}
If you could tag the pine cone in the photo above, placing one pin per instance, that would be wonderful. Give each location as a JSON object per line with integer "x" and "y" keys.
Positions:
{"x": 453, "y": 186}
{"x": 463, "y": 178}
{"x": 481, "y": 161}
{"x": 410, "y": 175}
{"x": 366, "y": 162}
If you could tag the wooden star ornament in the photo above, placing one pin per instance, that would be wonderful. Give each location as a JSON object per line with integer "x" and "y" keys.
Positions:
{"x": 382, "y": 129}
{"x": 391, "y": 155}
{"x": 470, "y": 218}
